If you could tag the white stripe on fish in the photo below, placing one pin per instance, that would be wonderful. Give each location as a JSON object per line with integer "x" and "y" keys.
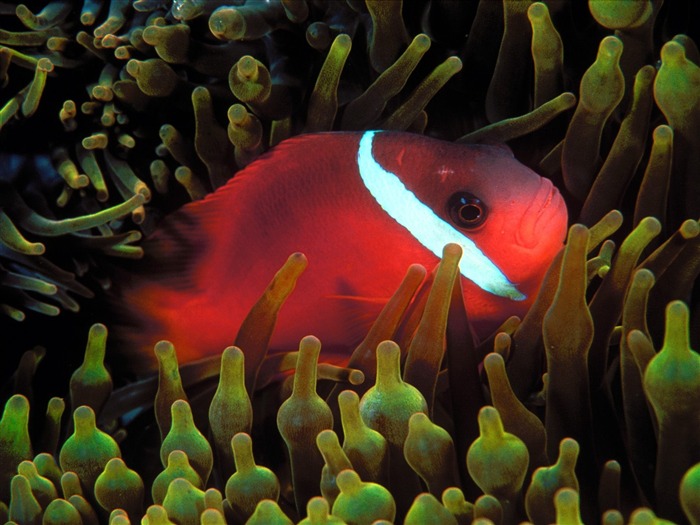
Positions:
{"x": 427, "y": 228}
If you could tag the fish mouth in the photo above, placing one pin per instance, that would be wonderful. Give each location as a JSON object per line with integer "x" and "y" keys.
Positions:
{"x": 542, "y": 218}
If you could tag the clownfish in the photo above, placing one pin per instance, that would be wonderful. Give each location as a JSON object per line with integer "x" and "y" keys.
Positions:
{"x": 362, "y": 207}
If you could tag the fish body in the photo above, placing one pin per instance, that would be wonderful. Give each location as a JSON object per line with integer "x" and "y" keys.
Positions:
{"x": 362, "y": 207}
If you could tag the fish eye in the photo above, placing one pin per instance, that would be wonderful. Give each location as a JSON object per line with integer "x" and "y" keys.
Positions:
{"x": 466, "y": 210}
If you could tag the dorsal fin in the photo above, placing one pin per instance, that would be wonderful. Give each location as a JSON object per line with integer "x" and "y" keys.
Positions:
{"x": 298, "y": 150}
{"x": 183, "y": 237}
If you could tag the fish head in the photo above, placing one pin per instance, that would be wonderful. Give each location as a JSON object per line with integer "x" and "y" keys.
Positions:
{"x": 509, "y": 220}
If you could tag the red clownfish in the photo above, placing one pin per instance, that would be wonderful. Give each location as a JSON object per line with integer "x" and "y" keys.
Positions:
{"x": 362, "y": 207}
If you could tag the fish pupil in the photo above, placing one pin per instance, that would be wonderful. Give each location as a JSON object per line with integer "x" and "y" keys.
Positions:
{"x": 466, "y": 210}
{"x": 469, "y": 213}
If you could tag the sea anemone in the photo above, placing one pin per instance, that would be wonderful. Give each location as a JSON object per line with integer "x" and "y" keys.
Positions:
{"x": 117, "y": 113}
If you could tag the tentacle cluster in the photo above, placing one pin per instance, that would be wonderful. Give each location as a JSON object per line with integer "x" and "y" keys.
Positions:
{"x": 558, "y": 455}
{"x": 164, "y": 102}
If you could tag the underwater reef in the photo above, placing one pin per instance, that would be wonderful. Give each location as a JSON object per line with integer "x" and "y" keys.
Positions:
{"x": 113, "y": 114}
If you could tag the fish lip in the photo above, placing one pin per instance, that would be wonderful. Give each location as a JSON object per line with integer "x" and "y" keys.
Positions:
{"x": 539, "y": 216}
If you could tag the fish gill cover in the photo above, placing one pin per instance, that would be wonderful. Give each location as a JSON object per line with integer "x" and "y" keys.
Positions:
{"x": 114, "y": 114}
